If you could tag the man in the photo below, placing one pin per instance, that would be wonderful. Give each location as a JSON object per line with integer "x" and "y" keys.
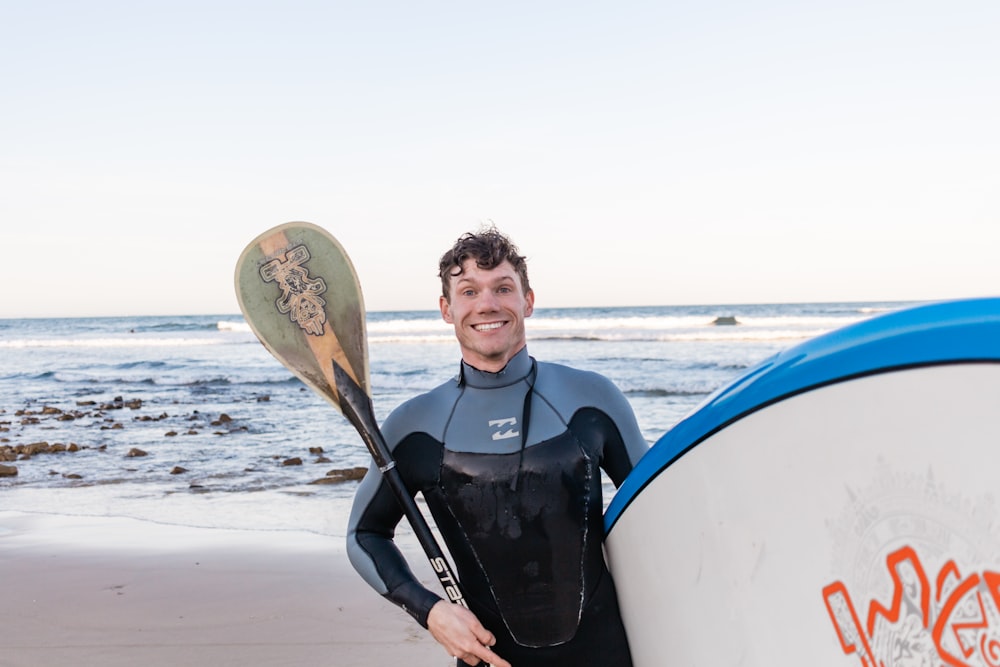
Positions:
{"x": 508, "y": 458}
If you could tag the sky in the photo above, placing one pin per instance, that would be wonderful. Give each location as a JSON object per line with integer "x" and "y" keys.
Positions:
{"x": 639, "y": 153}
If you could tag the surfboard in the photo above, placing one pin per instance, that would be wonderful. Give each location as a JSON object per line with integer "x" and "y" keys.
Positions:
{"x": 836, "y": 505}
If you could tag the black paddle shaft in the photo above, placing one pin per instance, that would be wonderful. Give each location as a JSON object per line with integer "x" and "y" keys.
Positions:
{"x": 356, "y": 405}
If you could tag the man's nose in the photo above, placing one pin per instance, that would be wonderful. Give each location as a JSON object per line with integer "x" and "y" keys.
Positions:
{"x": 487, "y": 301}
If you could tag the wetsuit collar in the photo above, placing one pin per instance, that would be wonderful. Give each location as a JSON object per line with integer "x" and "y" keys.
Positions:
{"x": 516, "y": 370}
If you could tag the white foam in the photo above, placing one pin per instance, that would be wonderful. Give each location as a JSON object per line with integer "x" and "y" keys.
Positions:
{"x": 241, "y": 326}
{"x": 115, "y": 342}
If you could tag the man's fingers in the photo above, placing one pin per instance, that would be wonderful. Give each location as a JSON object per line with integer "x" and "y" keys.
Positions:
{"x": 491, "y": 658}
{"x": 484, "y": 651}
{"x": 483, "y": 654}
{"x": 459, "y": 631}
{"x": 484, "y": 636}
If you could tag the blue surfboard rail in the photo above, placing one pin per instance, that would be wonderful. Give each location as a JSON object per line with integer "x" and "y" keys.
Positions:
{"x": 963, "y": 331}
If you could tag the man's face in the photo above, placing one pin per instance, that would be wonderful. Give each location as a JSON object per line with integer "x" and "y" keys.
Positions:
{"x": 487, "y": 309}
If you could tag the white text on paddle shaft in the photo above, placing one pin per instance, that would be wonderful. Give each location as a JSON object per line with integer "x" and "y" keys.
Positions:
{"x": 448, "y": 581}
{"x": 503, "y": 435}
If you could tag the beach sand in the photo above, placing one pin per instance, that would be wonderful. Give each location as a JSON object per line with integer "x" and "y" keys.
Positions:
{"x": 120, "y": 592}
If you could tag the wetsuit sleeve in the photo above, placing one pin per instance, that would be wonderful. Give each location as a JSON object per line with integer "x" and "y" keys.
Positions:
{"x": 374, "y": 554}
{"x": 623, "y": 450}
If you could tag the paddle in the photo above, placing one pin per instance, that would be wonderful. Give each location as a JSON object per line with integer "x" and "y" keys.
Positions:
{"x": 300, "y": 295}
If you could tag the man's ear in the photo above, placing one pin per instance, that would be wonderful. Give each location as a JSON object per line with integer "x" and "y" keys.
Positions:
{"x": 530, "y": 299}
{"x": 445, "y": 310}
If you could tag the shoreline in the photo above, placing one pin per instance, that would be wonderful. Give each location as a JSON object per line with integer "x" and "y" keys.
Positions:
{"x": 124, "y": 592}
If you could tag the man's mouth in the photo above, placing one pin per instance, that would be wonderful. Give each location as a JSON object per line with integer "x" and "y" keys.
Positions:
{"x": 489, "y": 326}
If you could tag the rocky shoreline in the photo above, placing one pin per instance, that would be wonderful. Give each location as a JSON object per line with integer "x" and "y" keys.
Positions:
{"x": 20, "y": 443}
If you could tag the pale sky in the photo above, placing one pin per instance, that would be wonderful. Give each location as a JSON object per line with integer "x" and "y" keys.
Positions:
{"x": 639, "y": 153}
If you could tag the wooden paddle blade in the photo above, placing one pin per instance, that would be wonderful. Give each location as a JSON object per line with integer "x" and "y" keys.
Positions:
{"x": 300, "y": 295}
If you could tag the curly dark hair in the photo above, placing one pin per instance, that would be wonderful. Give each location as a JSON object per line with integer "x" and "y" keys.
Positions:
{"x": 489, "y": 247}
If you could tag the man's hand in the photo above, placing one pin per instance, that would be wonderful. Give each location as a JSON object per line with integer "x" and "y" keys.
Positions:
{"x": 461, "y": 634}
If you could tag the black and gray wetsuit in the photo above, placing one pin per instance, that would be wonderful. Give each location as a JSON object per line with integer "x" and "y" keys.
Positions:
{"x": 509, "y": 465}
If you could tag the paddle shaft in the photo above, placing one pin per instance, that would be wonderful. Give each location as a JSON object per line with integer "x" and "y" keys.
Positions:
{"x": 356, "y": 405}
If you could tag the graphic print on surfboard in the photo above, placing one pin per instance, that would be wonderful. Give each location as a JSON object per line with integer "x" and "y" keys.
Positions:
{"x": 835, "y": 506}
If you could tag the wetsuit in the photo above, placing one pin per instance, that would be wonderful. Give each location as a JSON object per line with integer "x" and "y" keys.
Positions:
{"x": 509, "y": 465}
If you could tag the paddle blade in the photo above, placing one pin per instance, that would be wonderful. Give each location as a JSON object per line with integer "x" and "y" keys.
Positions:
{"x": 300, "y": 295}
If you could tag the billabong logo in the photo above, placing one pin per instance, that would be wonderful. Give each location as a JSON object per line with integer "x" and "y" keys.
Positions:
{"x": 300, "y": 295}
{"x": 950, "y": 619}
{"x": 500, "y": 423}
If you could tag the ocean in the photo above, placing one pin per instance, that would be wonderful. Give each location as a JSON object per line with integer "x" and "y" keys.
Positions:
{"x": 188, "y": 420}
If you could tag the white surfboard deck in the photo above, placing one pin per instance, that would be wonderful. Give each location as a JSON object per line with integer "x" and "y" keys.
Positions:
{"x": 835, "y": 506}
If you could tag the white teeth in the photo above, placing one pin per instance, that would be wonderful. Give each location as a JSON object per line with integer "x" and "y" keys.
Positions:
{"x": 488, "y": 327}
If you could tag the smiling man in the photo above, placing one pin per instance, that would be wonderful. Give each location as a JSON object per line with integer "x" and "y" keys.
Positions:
{"x": 487, "y": 300}
{"x": 508, "y": 457}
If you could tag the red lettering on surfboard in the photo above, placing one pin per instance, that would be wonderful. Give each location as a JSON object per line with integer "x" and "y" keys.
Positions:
{"x": 952, "y": 621}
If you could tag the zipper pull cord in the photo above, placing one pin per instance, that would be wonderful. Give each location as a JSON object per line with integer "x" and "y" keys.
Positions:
{"x": 525, "y": 418}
